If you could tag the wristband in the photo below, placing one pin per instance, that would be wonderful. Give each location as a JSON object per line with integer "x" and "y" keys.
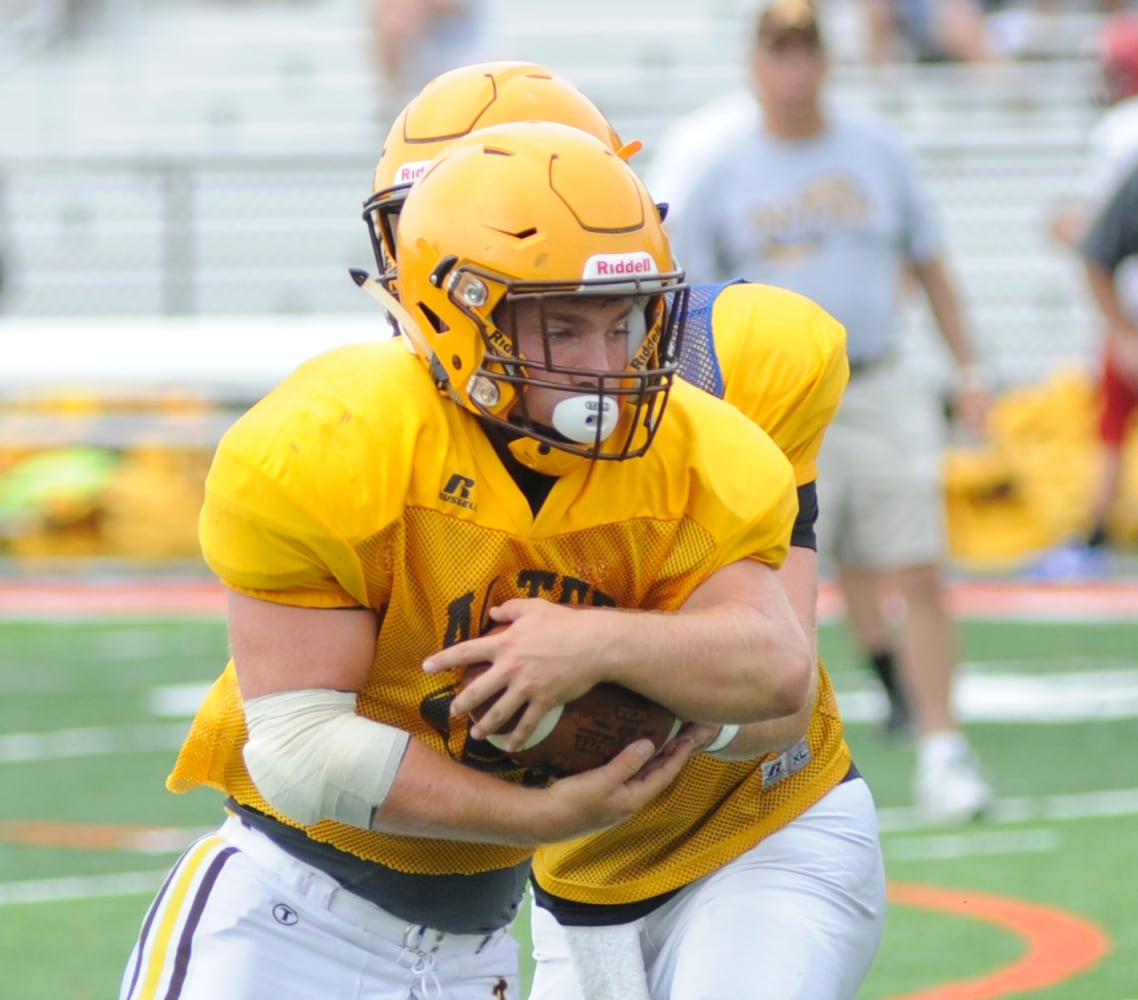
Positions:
{"x": 727, "y": 732}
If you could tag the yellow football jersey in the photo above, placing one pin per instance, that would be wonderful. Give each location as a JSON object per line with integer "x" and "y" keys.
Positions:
{"x": 781, "y": 360}
{"x": 356, "y": 483}
{"x": 775, "y": 355}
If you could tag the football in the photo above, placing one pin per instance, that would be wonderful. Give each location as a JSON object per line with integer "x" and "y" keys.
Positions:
{"x": 588, "y": 731}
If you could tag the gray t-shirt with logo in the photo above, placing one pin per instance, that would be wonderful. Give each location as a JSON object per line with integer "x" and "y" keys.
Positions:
{"x": 833, "y": 217}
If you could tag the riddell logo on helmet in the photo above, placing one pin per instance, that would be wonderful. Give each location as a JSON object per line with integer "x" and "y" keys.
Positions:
{"x": 411, "y": 172}
{"x": 619, "y": 265}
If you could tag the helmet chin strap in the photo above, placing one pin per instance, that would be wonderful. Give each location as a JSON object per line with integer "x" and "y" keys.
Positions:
{"x": 579, "y": 417}
{"x": 394, "y": 309}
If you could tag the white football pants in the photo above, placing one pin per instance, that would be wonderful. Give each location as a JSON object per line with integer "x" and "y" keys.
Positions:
{"x": 797, "y": 917}
{"x": 240, "y": 919}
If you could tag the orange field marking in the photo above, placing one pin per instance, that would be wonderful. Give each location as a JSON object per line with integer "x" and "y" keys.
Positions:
{"x": 95, "y": 836}
{"x": 112, "y": 599}
{"x": 206, "y": 598}
{"x": 1103, "y": 599}
{"x": 1060, "y": 945}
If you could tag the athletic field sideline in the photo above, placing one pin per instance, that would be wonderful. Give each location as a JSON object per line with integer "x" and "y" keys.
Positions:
{"x": 99, "y": 679}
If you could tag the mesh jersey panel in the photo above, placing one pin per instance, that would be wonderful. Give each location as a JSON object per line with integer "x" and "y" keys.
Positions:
{"x": 699, "y": 363}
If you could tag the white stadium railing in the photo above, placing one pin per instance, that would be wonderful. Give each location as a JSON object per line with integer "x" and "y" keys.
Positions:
{"x": 210, "y": 160}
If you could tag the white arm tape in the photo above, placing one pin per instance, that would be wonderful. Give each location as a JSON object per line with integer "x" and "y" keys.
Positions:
{"x": 312, "y": 757}
{"x": 727, "y": 732}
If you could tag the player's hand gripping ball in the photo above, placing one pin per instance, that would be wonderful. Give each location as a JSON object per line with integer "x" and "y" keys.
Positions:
{"x": 586, "y": 732}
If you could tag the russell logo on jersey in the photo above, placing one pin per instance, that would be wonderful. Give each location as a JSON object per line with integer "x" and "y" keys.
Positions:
{"x": 457, "y": 491}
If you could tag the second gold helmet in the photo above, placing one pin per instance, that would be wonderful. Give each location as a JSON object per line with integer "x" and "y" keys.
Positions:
{"x": 457, "y": 103}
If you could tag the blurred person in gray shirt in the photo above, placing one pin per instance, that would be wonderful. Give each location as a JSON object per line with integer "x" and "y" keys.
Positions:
{"x": 830, "y": 206}
{"x": 1113, "y": 283}
{"x": 416, "y": 40}
{"x": 1110, "y": 258}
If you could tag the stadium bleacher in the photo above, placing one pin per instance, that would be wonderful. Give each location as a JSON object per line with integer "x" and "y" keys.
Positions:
{"x": 210, "y": 158}
{"x": 180, "y": 194}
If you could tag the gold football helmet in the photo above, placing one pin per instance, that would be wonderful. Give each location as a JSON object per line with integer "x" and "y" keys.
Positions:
{"x": 455, "y": 104}
{"x": 528, "y": 213}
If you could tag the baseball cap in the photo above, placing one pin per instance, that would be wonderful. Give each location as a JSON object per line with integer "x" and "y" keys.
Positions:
{"x": 780, "y": 21}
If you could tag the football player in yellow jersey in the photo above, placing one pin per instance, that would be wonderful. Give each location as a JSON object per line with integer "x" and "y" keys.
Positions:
{"x": 780, "y": 359}
{"x": 522, "y": 453}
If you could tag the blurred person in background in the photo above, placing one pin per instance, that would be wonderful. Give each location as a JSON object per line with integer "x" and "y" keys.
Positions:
{"x": 969, "y": 31}
{"x": 1113, "y": 142}
{"x": 31, "y": 24}
{"x": 927, "y": 31}
{"x": 1113, "y": 283}
{"x": 1110, "y": 256}
{"x": 416, "y": 40}
{"x": 830, "y": 206}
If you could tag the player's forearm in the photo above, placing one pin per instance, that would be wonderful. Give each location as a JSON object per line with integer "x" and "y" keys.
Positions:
{"x": 799, "y": 576}
{"x": 775, "y": 735}
{"x": 731, "y": 663}
{"x": 734, "y": 652}
{"x": 433, "y": 796}
{"x": 740, "y": 650}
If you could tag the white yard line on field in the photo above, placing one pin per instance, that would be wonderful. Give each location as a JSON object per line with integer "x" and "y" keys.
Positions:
{"x": 986, "y": 695}
{"x": 1078, "y": 805}
{"x": 19, "y": 748}
{"x": 59, "y": 890}
{"x": 990, "y": 695}
{"x": 979, "y": 840}
{"x": 971, "y": 844}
